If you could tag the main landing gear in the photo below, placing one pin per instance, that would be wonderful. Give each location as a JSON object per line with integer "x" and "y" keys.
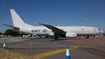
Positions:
{"x": 46, "y": 36}
{"x": 56, "y": 36}
{"x": 88, "y": 37}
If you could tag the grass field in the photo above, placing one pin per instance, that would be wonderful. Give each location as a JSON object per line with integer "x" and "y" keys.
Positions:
{"x": 7, "y": 54}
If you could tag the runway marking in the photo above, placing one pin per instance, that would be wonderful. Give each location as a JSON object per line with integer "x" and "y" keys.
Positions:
{"x": 85, "y": 46}
{"x": 89, "y": 47}
{"x": 33, "y": 43}
{"x": 53, "y": 52}
{"x": 78, "y": 54}
{"x": 22, "y": 44}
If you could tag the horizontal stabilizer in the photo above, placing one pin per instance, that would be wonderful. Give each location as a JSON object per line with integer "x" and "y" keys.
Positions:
{"x": 10, "y": 26}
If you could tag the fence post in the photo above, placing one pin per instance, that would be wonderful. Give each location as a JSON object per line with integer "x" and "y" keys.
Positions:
{"x": 102, "y": 44}
{"x": 79, "y": 43}
{"x": 31, "y": 45}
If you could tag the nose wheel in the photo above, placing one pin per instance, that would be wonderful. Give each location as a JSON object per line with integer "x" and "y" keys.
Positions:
{"x": 94, "y": 37}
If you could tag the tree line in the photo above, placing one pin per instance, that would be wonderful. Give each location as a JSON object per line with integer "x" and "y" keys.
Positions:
{"x": 12, "y": 33}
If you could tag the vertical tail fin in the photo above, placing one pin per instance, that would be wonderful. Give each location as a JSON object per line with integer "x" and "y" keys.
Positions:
{"x": 17, "y": 21}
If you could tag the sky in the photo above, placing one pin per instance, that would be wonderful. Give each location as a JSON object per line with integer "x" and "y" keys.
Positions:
{"x": 54, "y": 12}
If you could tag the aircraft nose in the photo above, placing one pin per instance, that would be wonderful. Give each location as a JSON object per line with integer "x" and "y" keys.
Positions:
{"x": 102, "y": 31}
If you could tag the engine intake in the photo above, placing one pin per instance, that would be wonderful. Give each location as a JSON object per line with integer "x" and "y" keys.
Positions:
{"x": 71, "y": 34}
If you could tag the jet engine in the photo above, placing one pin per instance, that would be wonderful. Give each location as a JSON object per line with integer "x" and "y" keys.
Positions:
{"x": 70, "y": 34}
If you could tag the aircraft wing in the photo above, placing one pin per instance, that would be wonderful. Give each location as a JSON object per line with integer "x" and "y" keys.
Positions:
{"x": 10, "y": 26}
{"x": 54, "y": 29}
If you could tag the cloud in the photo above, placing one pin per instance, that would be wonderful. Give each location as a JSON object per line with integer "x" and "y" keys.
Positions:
{"x": 86, "y": 19}
{"x": 59, "y": 17}
{"x": 3, "y": 5}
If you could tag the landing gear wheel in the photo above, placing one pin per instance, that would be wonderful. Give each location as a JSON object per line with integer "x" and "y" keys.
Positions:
{"x": 94, "y": 37}
{"x": 46, "y": 36}
{"x": 56, "y": 36}
{"x": 87, "y": 37}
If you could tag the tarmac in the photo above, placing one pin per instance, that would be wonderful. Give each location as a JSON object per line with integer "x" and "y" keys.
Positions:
{"x": 48, "y": 48}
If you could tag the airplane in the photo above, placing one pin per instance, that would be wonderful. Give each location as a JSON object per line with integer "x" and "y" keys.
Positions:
{"x": 49, "y": 30}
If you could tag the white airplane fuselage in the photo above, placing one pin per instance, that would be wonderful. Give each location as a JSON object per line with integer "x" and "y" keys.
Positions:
{"x": 62, "y": 31}
{"x": 79, "y": 30}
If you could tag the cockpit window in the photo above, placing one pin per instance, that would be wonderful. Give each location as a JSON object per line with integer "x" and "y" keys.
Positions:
{"x": 99, "y": 29}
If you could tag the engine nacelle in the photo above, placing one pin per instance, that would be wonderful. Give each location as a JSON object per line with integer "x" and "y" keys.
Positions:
{"x": 71, "y": 34}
